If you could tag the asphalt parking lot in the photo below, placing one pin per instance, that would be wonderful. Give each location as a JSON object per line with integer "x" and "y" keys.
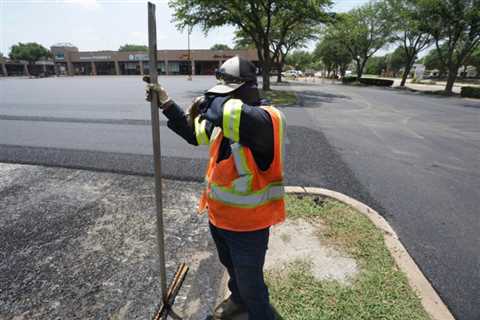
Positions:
{"x": 413, "y": 157}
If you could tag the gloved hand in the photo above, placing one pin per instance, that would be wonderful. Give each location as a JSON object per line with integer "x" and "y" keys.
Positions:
{"x": 194, "y": 110}
{"x": 160, "y": 92}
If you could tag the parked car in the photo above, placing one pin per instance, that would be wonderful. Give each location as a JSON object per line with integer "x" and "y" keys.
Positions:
{"x": 292, "y": 73}
{"x": 309, "y": 73}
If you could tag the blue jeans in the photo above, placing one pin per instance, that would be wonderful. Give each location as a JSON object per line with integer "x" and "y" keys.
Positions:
{"x": 243, "y": 255}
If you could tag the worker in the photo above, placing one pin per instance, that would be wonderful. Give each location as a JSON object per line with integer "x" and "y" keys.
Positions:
{"x": 244, "y": 192}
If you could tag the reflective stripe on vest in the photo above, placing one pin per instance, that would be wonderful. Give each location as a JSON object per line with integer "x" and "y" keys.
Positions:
{"x": 232, "y": 110}
{"x": 244, "y": 182}
{"x": 281, "y": 134}
{"x": 201, "y": 132}
{"x": 249, "y": 200}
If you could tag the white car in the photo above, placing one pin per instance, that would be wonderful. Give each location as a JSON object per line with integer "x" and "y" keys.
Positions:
{"x": 292, "y": 73}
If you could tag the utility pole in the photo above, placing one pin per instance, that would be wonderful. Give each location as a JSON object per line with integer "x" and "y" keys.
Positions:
{"x": 189, "y": 55}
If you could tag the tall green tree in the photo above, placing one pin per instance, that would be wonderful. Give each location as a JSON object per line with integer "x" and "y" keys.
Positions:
{"x": 254, "y": 18}
{"x": 376, "y": 65}
{"x": 474, "y": 60}
{"x": 133, "y": 47}
{"x": 364, "y": 31}
{"x": 456, "y": 24}
{"x": 409, "y": 32}
{"x": 299, "y": 59}
{"x": 397, "y": 60}
{"x": 282, "y": 44}
{"x": 332, "y": 53}
{"x": 30, "y": 52}
{"x": 433, "y": 61}
{"x": 220, "y": 46}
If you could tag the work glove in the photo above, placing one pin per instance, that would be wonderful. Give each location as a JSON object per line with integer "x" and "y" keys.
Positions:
{"x": 194, "y": 109}
{"x": 160, "y": 92}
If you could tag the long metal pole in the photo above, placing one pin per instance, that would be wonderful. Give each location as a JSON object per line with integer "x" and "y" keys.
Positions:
{"x": 190, "y": 65}
{"x": 152, "y": 46}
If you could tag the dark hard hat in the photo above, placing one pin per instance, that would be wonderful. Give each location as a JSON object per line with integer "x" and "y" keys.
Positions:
{"x": 232, "y": 74}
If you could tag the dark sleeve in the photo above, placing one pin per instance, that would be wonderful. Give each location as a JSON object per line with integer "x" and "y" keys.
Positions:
{"x": 177, "y": 122}
{"x": 255, "y": 127}
{"x": 256, "y": 132}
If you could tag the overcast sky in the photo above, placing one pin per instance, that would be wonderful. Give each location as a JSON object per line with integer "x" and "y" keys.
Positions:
{"x": 103, "y": 24}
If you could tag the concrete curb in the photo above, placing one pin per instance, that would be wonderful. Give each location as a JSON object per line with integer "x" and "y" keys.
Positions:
{"x": 431, "y": 301}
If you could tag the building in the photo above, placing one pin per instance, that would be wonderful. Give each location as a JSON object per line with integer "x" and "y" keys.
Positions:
{"x": 69, "y": 60}
{"x": 42, "y": 68}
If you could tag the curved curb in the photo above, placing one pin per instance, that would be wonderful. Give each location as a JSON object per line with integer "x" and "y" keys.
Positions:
{"x": 431, "y": 301}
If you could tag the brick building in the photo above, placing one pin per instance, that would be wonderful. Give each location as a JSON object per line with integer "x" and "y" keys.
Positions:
{"x": 69, "y": 60}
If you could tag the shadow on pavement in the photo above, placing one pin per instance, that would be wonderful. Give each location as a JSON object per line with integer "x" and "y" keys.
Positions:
{"x": 314, "y": 98}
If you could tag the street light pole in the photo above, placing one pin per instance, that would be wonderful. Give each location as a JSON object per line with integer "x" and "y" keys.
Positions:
{"x": 189, "y": 55}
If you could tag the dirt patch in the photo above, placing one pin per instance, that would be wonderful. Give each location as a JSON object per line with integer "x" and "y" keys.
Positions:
{"x": 297, "y": 240}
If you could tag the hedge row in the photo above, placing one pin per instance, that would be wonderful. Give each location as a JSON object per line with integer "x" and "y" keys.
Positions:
{"x": 470, "y": 92}
{"x": 369, "y": 81}
{"x": 349, "y": 79}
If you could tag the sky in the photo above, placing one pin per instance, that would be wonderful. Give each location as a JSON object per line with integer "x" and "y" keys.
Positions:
{"x": 104, "y": 24}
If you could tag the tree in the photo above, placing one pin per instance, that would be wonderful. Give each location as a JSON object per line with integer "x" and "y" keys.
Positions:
{"x": 396, "y": 61}
{"x": 364, "y": 31}
{"x": 220, "y": 46}
{"x": 456, "y": 24}
{"x": 254, "y": 18}
{"x": 433, "y": 61}
{"x": 409, "y": 32}
{"x": 133, "y": 47}
{"x": 474, "y": 60}
{"x": 332, "y": 53}
{"x": 282, "y": 44}
{"x": 299, "y": 59}
{"x": 30, "y": 52}
{"x": 376, "y": 65}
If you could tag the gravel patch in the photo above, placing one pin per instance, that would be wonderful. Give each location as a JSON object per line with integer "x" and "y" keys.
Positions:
{"x": 82, "y": 245}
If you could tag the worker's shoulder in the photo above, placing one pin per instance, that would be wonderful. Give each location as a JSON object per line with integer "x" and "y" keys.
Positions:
{"x": 265, "y": 103}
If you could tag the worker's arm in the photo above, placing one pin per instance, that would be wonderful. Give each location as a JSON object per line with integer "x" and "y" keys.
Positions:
{"x": 195, "y": 131}
{"x": 187, "y": 125}
{"x": 248, "y": 125}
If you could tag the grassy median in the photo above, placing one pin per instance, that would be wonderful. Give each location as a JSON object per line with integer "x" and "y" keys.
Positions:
{"x": 379, "y": 291}
{"x": 279, "y": 97}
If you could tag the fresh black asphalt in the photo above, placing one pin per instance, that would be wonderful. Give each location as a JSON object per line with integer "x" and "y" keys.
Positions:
{"x": 414, "y": 158}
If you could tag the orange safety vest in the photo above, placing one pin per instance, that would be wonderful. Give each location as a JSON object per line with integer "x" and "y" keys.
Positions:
{"x": 239, "y": 196}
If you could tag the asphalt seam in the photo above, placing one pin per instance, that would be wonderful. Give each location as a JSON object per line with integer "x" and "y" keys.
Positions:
{"x": 431, "y": 301}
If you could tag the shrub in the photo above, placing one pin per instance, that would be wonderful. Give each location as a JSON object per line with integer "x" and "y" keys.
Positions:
{"x": 349, "y": 79}
{"x": 470, "y": 92}
{"x": 376, "y": 82}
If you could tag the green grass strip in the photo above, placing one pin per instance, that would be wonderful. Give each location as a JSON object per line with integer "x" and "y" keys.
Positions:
{"x": 379, "y": 291}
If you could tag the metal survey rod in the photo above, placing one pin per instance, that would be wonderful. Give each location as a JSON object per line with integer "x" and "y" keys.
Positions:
{"x": 152, "y": 50}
